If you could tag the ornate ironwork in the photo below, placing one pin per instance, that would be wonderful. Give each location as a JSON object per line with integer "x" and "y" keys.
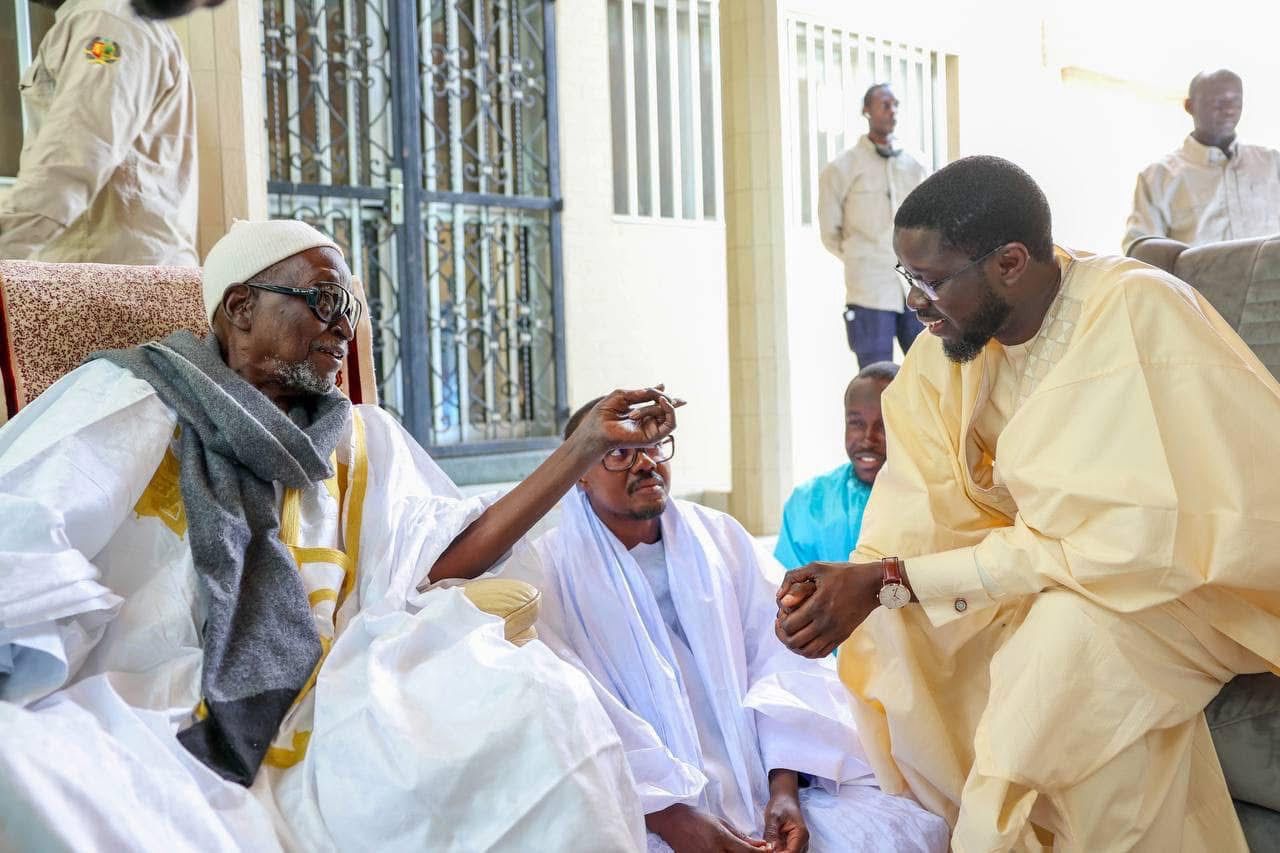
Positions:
{"x": 343, "y": 118}
{"x": 330, "y": 145}
{"x": 328, "y": 91}
{"x": 485, "y": 125}
{"x": 491, "y": 320}
{"x": 489, "y": 284}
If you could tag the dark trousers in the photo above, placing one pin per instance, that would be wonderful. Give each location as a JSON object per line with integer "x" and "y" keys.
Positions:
{"x": 871, "y": 332}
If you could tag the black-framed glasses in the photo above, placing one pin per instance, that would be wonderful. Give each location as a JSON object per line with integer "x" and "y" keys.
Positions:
{"x": 930, "y": 288}
{"x": 328, "y": 300}
{"x": 623, "y": 459}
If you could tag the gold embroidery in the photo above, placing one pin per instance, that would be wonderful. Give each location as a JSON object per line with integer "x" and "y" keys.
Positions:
{"x": 319, "y": 595}
{"x": 320, "y": 555}
{"x": 359, "y": 483}
{"x": 354, "y": 478}
{"x": 281, "y": 757}
{"x": 291, "y": 516}
{"x": 163, "y": 496}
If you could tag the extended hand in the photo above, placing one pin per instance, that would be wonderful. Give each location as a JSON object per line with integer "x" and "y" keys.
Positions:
{"x": 689, "y": 830}
{"x": 784, "y": 826}
{"x": 629, "y": 418}
{"x": 813, "y": 622}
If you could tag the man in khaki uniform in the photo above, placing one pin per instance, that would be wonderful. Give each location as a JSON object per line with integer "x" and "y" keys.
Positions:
{"x": 858, "y": 193}
{"x": 108, "y": 166}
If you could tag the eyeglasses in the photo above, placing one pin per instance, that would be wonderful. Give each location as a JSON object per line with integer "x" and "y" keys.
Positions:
{"x": 625, "y": 459}
{"x": 930, "y": 288}
{"x": 328, "y": 300}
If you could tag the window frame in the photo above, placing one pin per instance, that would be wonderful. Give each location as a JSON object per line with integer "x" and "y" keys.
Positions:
{"x": 922, "y": 76}
{"x": 664, "y": 152}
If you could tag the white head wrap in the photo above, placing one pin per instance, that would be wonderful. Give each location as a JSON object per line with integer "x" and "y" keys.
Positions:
{"x": 249, "y": 248}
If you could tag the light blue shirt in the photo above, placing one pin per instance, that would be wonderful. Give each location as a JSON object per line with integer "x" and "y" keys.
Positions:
{"x": 822, "y": 519}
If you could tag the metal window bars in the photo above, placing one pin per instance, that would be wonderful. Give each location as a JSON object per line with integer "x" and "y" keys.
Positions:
{"x": 422, "y": 135}
{"x": 665, "y": 108}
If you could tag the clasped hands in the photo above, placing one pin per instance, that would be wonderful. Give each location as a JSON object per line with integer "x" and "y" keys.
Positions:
{"x": 690, "y": 830}
{"x": 821, "y": 604}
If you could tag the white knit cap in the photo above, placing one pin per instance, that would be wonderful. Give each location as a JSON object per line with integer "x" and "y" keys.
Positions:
{"x": 249, "y": 248}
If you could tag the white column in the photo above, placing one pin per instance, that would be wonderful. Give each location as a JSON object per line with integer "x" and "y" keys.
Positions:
{"x": 750, "y": 43}
{"x": 224, "y": 50}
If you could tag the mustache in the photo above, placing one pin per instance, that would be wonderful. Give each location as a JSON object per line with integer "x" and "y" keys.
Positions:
{"x": 645, "y": 480}
{"x": 337, "y": 351}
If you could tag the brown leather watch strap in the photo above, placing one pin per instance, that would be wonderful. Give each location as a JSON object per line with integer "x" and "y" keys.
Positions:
{"x": 892, "y": 568}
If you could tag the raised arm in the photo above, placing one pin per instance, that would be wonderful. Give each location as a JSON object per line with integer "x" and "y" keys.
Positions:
{"x": 625, "y": 418}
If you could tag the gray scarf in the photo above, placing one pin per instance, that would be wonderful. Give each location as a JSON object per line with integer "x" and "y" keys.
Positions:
{"x": 260, "y": 642}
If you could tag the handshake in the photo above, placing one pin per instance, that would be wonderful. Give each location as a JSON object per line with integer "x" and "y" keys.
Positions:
{"x": 821, "y": 604}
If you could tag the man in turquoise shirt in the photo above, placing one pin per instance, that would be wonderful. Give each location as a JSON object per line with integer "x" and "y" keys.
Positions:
{"x": 823, "y": 516}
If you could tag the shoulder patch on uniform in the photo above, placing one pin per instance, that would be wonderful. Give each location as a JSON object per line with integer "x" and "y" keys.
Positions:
{"x": 102, "y": 51}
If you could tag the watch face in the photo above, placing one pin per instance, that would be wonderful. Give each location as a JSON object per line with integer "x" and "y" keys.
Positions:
{"x": 894, "y": 595}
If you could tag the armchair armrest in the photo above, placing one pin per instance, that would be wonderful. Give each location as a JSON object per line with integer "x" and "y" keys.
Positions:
{"x": 1160, "y": 252}
{"x": 515, "y": 601}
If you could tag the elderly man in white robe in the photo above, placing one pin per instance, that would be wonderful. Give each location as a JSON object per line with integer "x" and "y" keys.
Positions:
{"x": 734, "y": 743}
{"x": 213, "y": 629}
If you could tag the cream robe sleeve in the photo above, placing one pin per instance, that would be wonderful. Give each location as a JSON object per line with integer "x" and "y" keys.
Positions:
{"x": 1142, "y": 467}
{"x": 919, "y": 505}
{"x": 94, "y": 115}
{"x": 72, "y": 466}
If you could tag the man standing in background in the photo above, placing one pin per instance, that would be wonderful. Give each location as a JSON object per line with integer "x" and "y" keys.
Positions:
{"x": 108, "y": 168}
{"x": 858, "y": 194}
{"x": 1213, "y": 188}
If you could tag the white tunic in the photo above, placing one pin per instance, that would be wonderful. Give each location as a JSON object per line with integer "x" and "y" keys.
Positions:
{"x": 425, "y": 729}
{"x": 703, "y": 726}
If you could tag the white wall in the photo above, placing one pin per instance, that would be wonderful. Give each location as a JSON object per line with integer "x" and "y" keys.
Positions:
{"x": 1151, "y": 50}
{"x": 223, "y": 47}
{"x": 645, "y": 301}
{"x": 821, "y": 363}
{"x": 1083, "y": 135}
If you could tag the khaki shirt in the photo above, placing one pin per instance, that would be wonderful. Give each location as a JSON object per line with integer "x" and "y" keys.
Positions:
{"x": 1199, "y": 195}
{"x": 108, "y": 166}
{"x": 858, "y": 195}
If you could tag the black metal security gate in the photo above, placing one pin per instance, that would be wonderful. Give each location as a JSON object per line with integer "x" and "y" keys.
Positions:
{"x": 422, "y": 135}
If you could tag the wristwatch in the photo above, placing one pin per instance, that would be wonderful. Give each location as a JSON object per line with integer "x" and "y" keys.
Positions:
{"x": 893, "y": 593}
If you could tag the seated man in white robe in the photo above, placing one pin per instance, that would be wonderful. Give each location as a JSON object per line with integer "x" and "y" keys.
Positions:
{"x": 212, "y": 629}
{"x": 734, "y": 743}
